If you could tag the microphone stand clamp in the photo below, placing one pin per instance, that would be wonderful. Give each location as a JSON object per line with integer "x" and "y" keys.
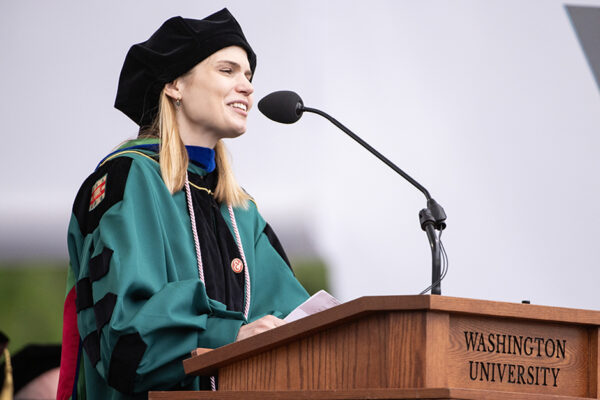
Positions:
{"x": 432, "y": 220}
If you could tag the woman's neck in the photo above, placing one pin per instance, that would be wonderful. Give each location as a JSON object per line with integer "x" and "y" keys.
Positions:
{"x": 194, "y": 136}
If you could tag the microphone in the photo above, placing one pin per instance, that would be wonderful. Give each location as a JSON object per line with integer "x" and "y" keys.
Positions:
{"x": 287, "y": 107}
{"x": 283, "y": 106}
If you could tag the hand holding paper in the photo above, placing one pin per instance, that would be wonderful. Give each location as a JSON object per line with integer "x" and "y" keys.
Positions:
{"x": 319, "y": 301}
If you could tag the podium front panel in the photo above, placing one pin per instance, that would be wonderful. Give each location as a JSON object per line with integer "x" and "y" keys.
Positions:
{"x": 517, "y": 356}
{"x": 420, "y": 343}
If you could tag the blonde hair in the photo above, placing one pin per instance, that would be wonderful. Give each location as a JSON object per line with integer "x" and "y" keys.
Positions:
{"x": 173, "y": 157}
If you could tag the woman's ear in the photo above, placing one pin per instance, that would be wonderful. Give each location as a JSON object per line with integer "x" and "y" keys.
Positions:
{"x": 172, "y": 90}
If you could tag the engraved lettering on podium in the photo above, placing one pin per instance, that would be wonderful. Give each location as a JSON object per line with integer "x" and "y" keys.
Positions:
{"x": 518, "y": 355}
{"x": 527, "y": 349}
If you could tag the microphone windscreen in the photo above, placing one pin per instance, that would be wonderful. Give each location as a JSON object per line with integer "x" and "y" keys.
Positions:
{"x": 283, "y": 106}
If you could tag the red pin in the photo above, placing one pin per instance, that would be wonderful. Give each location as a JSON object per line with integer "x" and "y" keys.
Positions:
{"x": 237, "y": 265}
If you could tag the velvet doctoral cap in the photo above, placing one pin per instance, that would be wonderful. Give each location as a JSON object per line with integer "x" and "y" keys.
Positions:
{"x": 175, "y": 48}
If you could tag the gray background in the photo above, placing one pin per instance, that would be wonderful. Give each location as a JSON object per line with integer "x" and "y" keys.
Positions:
{"x": 492, "y": 105}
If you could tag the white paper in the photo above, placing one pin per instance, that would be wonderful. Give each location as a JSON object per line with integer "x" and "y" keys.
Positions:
{"x": 317, "y": 302}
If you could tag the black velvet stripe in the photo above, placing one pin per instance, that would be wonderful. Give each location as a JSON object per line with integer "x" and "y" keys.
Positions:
{"x": 126, "y": 356}
{"x": 103, "y": 310}
{"x": 218, "y": 246}
{"x": 116, "y": 171}
{"x": 84, "y": 298}
{"x": 91, "y": 345}
{"x": 274, "y": 240}
{"x": 99, "y": 265}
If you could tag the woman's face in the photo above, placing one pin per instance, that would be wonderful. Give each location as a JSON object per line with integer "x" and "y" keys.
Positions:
{"x": 216, "y": 96}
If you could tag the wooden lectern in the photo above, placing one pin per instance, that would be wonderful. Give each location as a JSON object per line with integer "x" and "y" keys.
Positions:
{"x": 412, "y": 347}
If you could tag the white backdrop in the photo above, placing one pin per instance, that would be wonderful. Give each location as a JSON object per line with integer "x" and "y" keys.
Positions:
{"x": 491, "y": 105}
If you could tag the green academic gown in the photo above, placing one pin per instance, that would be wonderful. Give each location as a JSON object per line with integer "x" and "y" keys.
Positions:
{"x": 140, "y": 305}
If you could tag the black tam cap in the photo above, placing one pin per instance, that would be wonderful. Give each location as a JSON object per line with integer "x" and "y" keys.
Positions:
{"x": 175, "y": 48}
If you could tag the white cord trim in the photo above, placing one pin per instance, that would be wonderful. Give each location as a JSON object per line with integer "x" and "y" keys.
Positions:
{"x": 246, "y": 272}
{"x": 188, "y": 196}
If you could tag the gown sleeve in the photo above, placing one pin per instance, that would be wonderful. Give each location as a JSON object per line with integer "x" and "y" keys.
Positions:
{"x": 141, "y": 307}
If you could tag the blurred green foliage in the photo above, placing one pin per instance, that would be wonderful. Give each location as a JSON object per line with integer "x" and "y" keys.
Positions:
{"x": 312, "y": 274}
{"x": 31, "y": 302}
{"x": 32, "y": 296}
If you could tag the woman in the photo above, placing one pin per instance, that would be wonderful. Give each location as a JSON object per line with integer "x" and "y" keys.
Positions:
{"x": 167, "y": 252}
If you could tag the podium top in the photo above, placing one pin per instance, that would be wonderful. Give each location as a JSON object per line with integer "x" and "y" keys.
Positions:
{"x": 363, "y": 306}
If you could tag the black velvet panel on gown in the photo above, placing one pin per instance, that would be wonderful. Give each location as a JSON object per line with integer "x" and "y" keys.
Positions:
{"x": 218, "y": 248}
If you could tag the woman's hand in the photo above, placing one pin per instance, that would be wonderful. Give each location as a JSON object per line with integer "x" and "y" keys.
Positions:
{"x": 260, "y": 325}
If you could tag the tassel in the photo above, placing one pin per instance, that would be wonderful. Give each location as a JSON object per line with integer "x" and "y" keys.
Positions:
{"x": 7, "y": 388}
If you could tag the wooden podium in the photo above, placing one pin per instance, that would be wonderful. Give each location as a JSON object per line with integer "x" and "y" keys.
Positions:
{"x": 412, "y": 347}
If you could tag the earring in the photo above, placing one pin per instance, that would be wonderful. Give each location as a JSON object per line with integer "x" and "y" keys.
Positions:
{"x": 178, "y": 102}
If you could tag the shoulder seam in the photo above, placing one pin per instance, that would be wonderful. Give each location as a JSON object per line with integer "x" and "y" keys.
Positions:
{"x": 115, "y": 155}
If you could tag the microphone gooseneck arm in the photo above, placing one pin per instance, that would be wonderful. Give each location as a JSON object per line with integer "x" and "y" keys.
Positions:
{"x": 368, "y": 147}
{"x": 432, "y": 218}
{"x": 287, "y": 107}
